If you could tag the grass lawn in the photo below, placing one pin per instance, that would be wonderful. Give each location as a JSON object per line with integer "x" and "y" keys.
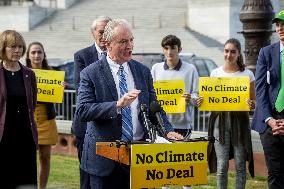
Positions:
{"x": 64, "y": 174}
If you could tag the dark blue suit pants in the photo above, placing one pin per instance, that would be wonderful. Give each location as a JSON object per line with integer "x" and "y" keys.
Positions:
{"x": 84, "y": 176}
{"x": 118, "y": 179}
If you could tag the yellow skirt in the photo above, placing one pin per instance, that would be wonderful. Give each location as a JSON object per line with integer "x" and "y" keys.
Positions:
{"x": 47, "y": 130}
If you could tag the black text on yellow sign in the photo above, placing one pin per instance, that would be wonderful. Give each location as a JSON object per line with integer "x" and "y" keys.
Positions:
{"x": 156, "y": 165}
{"x": 49, "y": 85}
{"x": 224, "y": 93}
{"x": 169, "y": 95}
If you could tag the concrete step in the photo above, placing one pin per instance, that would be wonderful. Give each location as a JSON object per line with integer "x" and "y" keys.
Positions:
{"x": 69, "y": 30}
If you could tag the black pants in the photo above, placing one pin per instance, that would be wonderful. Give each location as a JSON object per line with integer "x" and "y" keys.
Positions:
{"x": 84, "y": 176}
{"x": 273, "y": 147}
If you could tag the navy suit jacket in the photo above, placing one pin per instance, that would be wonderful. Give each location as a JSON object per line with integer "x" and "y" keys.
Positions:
{"x": 96, "y": 104}
{"x": 267, "y": 85}
{"x": 82, "y": 59}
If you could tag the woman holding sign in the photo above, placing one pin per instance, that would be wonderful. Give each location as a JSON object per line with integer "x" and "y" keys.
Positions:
{"x": 18, "y": 134}
{"x": 44, "y": 115}
{"x": 231, "y": 128}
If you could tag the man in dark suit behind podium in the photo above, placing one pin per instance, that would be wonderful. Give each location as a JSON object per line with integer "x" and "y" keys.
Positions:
{"x": 109, "y": 95}
{"x": 268, "y": 118}
{"x": 82, "y": 59}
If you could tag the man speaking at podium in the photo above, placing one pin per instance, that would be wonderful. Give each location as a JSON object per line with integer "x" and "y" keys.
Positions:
{"x": 109, "y": 97}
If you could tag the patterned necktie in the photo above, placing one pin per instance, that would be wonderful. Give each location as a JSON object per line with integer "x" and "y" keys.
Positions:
{"x": 127, "y": 133}
{"x": 279, "y": 104}
{"x": 103, "y": 53}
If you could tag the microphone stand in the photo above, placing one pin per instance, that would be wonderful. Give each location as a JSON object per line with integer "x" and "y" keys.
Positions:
{"x": 147, "y": 123}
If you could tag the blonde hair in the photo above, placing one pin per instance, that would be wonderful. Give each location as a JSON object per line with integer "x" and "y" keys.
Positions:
{"x": 9, "y": 38}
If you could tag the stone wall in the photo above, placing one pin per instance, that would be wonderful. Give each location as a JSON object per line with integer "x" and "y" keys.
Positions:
{"x": 66, "y": 145}
{"x": 209, "y": 18}
{"x": 22, "y": 18}
{"x": 59, "y": 4}
{"x": 219, "y": 19}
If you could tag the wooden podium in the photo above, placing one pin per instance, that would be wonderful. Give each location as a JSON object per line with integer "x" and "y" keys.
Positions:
{"x": 155, "y": 165}
{"x": 114, "y": 151}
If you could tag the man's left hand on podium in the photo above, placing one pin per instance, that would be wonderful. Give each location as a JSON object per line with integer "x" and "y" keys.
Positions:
{"x": 174, "y": 136}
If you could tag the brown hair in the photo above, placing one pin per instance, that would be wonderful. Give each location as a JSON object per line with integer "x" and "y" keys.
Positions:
{"x": 9, "y": 38}
{"x": 171, "y": 40}
{"x": 240, "y": 61}
{"x": 45, "y": 65}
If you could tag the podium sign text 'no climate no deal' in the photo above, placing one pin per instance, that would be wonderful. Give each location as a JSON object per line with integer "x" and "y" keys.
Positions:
{"x": 156, "y": 165}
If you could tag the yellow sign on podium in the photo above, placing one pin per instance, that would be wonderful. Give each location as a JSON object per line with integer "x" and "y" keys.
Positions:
{"x": 156, "y": 165}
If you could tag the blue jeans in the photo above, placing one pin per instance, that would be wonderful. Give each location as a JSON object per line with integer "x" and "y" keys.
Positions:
{"x": 222, "y": 153}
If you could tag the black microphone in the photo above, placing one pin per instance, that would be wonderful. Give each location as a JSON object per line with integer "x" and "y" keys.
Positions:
{"x": 146, "y": 121}
{"x": 156, "y": 109}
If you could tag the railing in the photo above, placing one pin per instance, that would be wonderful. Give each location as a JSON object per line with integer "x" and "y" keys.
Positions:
{"x": 201, "y": 120}
{"x": 66, "y": 110}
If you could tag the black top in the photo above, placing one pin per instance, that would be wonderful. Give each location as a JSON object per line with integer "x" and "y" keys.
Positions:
{"x": 17, "y": 140}
{"x": 14, "y": 83}
{"x": 17, "y": 117}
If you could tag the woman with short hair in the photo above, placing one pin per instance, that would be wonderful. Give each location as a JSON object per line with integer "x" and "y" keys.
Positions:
{"x": 18, "y": 133}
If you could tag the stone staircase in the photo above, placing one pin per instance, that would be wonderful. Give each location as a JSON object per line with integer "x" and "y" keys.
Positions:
{"x": 69, "y": 30}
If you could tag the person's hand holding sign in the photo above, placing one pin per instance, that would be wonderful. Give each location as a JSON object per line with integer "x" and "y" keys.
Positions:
{"x": 187, "y": 97}
{"x": 251, "y": 104}
{"x": 197, "y": 100}
{"x": 64, "y": 84}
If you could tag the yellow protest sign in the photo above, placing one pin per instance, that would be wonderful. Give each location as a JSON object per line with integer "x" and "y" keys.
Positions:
{"x": 224, "y": 93}
{"x": 169, "y": 95}
{"x": 156, "y": 165}
{"x": 49, "y": 88}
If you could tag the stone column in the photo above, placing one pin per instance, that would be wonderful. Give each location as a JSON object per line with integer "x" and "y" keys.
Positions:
{"x": 256, "y": 16}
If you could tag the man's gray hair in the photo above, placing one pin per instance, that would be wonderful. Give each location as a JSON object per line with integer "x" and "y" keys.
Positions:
{"x": 111, "y": 25}
{"x": 100, "y": 19}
